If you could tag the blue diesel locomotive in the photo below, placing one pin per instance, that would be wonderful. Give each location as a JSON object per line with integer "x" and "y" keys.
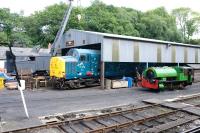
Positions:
{"x": 79, "y": 68}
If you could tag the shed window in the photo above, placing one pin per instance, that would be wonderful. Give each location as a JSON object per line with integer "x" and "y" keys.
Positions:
{"x": 31, "y": 58}
{"x": 83, "y": 41}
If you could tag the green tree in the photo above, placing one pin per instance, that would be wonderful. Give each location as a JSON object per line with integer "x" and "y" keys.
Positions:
{"x": 158, "y": 24}
{"x": 187, "y": 21}
{"x": 16, "y": 27}
{"x": 99, "y": 17}
{"x": 41, "y": 27}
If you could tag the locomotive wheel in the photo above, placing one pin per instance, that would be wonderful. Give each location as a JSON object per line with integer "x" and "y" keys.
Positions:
{"x": 181, "y": 86}
{"x": 77, "y": 85}
{"x": 67, "y": 85}
{"x": 71, "y": 85}
{"x": 57, "y": 85}
{"x": 89, "y": 83}
{"x": 171, "y": 87}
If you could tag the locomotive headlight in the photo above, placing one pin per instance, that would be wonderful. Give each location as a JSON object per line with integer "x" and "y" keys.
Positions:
{"x": 64, "y": 75}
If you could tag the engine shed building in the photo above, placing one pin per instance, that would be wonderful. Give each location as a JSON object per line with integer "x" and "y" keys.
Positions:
{"x": 119, "y": 48}
{"x": 26, "y": 59}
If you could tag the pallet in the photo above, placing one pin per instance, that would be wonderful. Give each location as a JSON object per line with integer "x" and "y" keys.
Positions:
{"x": 40, "y": 81}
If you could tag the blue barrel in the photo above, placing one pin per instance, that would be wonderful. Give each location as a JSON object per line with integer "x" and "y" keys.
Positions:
{"x": 130, "y": 81}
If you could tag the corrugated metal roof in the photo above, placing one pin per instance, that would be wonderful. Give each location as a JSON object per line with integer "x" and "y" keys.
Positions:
{"x": 22, "y": 52}
{"x": 194, "y": 66}
{"x": 108, "y": 35}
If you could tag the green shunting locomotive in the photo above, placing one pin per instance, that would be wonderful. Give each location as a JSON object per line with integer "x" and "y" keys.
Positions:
{"x": 160, "y": 78}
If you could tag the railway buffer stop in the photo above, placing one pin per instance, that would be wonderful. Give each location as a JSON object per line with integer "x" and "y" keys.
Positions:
{"x": 126, "y": 53}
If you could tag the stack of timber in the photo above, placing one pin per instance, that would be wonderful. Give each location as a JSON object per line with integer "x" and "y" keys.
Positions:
{"x": 11, "y": 85}
{"x": 26, "y": 74}
{"x": 40, "y": 81}
{"x": 115, "y": 84}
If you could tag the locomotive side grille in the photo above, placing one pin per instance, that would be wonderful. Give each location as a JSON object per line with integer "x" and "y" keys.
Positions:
{"x": 73, "y": 67}
{"x": 68, "y": 69}
{"x": 69, "y": 72}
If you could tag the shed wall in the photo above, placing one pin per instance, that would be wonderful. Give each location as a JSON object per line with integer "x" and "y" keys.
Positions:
{"x": 80, "y": 39}
{"x": 198, "y": 55}
{"x": 117, "y": 50}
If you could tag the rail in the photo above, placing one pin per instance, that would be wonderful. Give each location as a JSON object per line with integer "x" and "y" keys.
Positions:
{"x": 147, "y": 118}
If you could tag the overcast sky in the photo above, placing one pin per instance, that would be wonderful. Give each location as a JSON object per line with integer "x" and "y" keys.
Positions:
{"x": 29, "y": 6}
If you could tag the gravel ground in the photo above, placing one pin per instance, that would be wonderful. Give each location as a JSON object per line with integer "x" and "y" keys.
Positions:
{"x": 47, "y": 102}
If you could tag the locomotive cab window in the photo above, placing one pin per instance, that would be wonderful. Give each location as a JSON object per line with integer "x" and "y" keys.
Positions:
{"x": 83, "y": 58}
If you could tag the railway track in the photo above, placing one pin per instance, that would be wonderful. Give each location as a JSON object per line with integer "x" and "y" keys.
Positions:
{"x": 147, "y": 118}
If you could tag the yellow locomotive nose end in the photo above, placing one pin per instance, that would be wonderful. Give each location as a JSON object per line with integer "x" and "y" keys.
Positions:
{"x": 57, "y": 67}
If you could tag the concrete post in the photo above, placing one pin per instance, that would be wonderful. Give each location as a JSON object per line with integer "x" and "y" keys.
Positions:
{"x": 102, "y": 74}
{"x": 147, "y": 64}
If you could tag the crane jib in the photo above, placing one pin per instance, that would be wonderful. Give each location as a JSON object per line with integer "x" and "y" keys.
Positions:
{"x": 61, "y": 30}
